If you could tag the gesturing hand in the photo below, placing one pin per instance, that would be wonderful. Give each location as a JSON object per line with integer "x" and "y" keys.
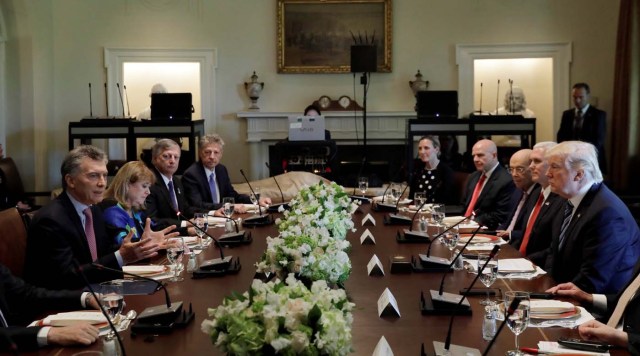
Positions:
{"x": 136, "y": 251}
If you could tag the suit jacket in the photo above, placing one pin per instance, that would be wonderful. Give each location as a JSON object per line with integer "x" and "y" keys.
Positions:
{"x": 196, "y": 185}
{"x": 159, "y": 206}
{"x": 56, "y": 238}
{"x": 494, "y": 203}
{"x": 20, "y": 303}
{"x": 602, "y": 244}
{"x": 631, "y": 315}
{"x": 594, "y": 127}
{"x": 523, "y": 216}
{"x": 546, "y": 226}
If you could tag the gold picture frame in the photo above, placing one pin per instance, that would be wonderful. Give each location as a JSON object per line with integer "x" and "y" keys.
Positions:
{"x": 315, "y": 36}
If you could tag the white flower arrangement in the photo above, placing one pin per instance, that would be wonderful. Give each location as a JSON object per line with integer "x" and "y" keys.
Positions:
{"x": 284, "y": 318}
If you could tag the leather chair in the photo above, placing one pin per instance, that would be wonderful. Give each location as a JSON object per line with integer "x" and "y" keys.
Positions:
{"x": 13, "y": 240}
{"x": 11, "y": 187}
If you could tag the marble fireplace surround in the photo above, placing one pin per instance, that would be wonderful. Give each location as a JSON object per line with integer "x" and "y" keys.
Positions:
{"x": 266, "y": 128}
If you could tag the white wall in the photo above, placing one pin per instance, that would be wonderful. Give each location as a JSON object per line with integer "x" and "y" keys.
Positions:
{"x": 55, "y": 48}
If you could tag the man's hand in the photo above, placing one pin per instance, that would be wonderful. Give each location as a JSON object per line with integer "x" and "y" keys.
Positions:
{"x": 504, "y": 234}
{"x": 239, "y": 208}
{"x": 159, "y": 237}
{"x": 136, "y": 251}
{"x": 572, "y": 291}
{"x": 84, "y": 334}
{"x": 265, "y": 201}
{"x": 597, "y": 331}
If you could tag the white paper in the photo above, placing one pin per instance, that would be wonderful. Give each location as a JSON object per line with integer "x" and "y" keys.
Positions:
{"x": 382, "y": 348}
{"x": 368, "y": 219}
{"x": 146, "y": 269}
{"x": 387, "y": 299}
{"x": 554, "y": 347}
{"x": 366, "y": 235}
{"x": 539, "y": 306}
{"x": 512, "y": 265}
{"x": 375, "y": 266}
{"x": 70, "y": 318}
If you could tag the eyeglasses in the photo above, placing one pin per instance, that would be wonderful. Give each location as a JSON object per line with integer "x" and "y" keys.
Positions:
{"x": 518, "y": 170}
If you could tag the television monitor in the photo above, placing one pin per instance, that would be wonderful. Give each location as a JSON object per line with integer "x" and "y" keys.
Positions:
{"x": 171, "y": 106}
{"x": 438, "y": 103}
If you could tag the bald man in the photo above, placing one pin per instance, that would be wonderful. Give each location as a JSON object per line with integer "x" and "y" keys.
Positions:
{"x": 525, "y": 195}
{"x": 489, "y": 188}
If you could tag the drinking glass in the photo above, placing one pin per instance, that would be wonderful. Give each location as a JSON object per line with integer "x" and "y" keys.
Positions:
{"x": 438, "y": 213}
{"x": 363, "y": 185}
{"x": 174, "y": 254}
{"x": 450, "y": 239}
{"x": 519, "y": 320}
{"x": 202, "y": 223}
{"x": 488, "y": 275}
{"x": 396, "y": 190}
{"x": 112, "y": 301}
{"x": 418, "y": 199}
{"x": 227, "y": 204}
{"x": 255, "y": 197}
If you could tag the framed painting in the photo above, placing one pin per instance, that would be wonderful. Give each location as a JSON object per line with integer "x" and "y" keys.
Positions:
{"x": 315, "y": 36}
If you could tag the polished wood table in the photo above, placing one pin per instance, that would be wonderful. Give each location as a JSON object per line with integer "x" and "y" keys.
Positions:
{"x": 404, "y": 334}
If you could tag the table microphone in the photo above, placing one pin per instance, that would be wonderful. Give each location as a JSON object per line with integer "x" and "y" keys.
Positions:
{"x": 398, "y": 219}
{"x": 162, "y": 314}
{"x": 438, "y": 262}
{"x": 415, "y": 235}
{"x": 106, "y": 99}
{"x": 121, "y": 100}
{"x": 261, "y": 219}
{"x": 78, "y": 270}
{"x": 381, "y": 206}
{"x": 512, "y": 308}
{"x": 447, "y": 343}
{"x": 284, "y": 204}
{"x": 216, "y": 264}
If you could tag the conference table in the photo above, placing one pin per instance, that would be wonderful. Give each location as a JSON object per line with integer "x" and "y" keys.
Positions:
{"x": 405, "y": 334}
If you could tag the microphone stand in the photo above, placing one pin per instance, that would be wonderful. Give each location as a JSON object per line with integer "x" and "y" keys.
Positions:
{"x": 256, "y": 220}
{"x": 398, "y": 219}
{"x": 440, "y": 264}
{"x": 221, "y": 264}
{"x": 127, "y": 97}
{"x": 121, "y": 100}
{"x": 275, "y": 207}
{"x": 410, "y": 235}
{"x": 512, "y": 308}
{"x": 497, "y": 97}
{"x": 106, "y": 99}
{"x": 381, "y": 206}
{"x": 79, "y": 271}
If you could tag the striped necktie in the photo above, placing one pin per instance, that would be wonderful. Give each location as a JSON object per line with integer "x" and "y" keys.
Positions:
{"x": 566, "y": 220}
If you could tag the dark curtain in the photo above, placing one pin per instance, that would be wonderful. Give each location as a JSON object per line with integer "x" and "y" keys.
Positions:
{"x": 625, "y": 119}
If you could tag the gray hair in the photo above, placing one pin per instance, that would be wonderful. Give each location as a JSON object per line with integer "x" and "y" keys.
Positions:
{"x": 212, "y": 139}
{"x": 545, "y": 145}
{"x": 578, "y": 155}
{"x": 71, "y": 163}
{"x": 161, "y": 146}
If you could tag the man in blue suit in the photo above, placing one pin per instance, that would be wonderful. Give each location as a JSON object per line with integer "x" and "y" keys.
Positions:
{"x": 599, "y": 242}
{"x": 206, "y": 182}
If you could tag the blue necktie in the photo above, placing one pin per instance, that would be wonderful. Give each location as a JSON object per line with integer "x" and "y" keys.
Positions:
{"x": 212, "y": 187}
{"x": 172, "y": 195}
{"x": 568, "y": 209}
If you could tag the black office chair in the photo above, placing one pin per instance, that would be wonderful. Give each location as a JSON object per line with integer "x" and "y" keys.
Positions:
{"x": 11, "y": 187}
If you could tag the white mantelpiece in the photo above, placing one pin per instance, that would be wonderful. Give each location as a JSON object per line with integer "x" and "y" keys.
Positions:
{"x": 267, "y": 128}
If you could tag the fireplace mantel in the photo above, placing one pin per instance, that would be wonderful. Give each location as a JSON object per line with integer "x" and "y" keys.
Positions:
{"x": 267, "y": 128}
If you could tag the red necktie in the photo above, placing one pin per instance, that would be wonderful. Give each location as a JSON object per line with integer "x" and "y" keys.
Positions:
{"x": 532, "y": 220}
{"x": 476, "y": 194}
{"x": 90, "y": 234}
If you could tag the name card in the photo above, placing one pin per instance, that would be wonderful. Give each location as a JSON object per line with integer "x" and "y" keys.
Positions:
{"x": 367, "y": 238}
{"x": 382, "y": 348}
{"x": 387, "y": 304}
{"x": 368, "y": 220}
{"x": 374, "y": 267}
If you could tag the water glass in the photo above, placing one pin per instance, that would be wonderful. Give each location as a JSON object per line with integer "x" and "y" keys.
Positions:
{"x": 255, "y": 196}
{"x": 488, "y": 275}
{"x": 396, "y": 191}
{"x": 228, "y": 206}
{"x": 438, "y": 213}
{"x": 418, "y": 199}
{"x": 174, "y": 254}
{"x": 112, "y": 301}
{"x": 363, "y": 185}
{"x": 519, "y": 320}
{"x": 202, "y": 224}
{"x": 450, "y": 239}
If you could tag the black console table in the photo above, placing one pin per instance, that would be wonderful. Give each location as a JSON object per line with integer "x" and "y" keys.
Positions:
{"x": 130, "y": 130}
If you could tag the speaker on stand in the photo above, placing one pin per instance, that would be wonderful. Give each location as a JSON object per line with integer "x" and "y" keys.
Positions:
{"x": 364, "y": 59}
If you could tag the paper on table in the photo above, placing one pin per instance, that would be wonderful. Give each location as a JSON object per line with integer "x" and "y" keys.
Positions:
{"x": 554, "y": 347}
{"x": 142, "y": 270}
{"x": 70, "y": 318}
{"x": 550, "y": 307}
{"x": 514, "y": 265}
{"x": 216, "y": 220}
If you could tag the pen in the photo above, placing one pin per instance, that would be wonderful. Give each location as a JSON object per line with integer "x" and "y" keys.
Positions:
{"x": 534, "y": 351}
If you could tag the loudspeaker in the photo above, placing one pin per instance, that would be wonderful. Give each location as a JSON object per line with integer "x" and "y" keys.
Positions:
{"x": 364, "y": 59}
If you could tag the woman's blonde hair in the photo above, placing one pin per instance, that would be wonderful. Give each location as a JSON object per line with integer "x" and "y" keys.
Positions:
{"x": 129, "y": 173}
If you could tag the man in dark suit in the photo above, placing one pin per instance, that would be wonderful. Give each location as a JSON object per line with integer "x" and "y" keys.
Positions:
{"x": 599, "y": 241}
{"x": 526, "y": 194}
{"x": 540, "y": 225}
{"x": 71, "y": 229}
{"x": 584, "y": 123}
{"x": 20, "y": 303}
{"x": 608, "y": 329}
{"x": 167, "y": 195}
{"x": 489, "y": 189}
{"x": 206, "y": 182}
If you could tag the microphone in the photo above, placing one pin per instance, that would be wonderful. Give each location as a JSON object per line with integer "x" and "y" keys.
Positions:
{"x": 441, "y": 264}
{"x": 381, "y": 206}
{"x": 78, "y": 270}
{"x": 121, "y": 100}
{"x": 216, "y": 264}
{"x": 90, "y": 102}
{"x": 106, "y": 100}
{"x": 164, "y": 314}
{"x": 127, "y": 97}
{"x": 414, "y": 235}
{"x": 512, "y": 308}
{"x": 398, "y": 219}
{"x": 497, "y": 96}
{"x": 275, "y": 207}
{"x": 510, "y": 96}
{"x": 238, "y": 235}
{"x": 257, "y": 220}
{"x": 480, "y": 99}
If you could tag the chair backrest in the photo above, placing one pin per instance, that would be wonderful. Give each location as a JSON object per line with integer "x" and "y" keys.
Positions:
{"x": 459, "y": 184}
{"x": 11, "y": 177}
{"x": 13, "y": 240}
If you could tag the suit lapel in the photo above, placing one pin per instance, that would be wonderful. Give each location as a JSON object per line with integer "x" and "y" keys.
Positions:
{"x": 163, "y": 188}
{"x": 77, "y": 224}
{"x": 204, "y": 181}
{"x": 577, "y": 220}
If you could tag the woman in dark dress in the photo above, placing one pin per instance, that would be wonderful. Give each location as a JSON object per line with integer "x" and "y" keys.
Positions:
{"x": 432, "y": 177}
